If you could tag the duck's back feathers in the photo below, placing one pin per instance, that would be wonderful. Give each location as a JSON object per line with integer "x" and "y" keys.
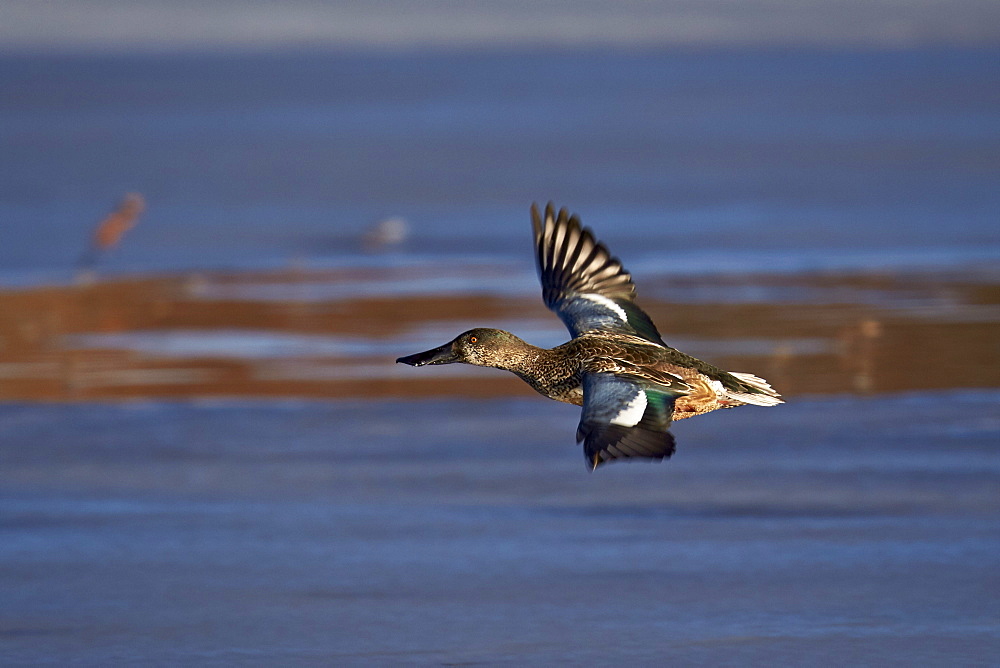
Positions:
{"x": 582, "y": 282}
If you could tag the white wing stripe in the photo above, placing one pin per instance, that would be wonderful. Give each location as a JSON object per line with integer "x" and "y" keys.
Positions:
{"x": 607, "y": 303}
{"x": 631, "y": 414}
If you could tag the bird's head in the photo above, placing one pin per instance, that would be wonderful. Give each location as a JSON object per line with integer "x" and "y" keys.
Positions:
{"x": 481, "y": 347}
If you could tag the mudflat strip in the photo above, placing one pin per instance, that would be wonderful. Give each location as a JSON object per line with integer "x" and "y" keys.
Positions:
{"x": 336, "y": 334}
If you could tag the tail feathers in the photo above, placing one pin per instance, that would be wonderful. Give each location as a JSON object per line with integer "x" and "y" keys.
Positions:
{"x": 764, "y": 395}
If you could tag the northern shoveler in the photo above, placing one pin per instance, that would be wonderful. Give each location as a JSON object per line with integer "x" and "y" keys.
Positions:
{"x": 630, "y": 383}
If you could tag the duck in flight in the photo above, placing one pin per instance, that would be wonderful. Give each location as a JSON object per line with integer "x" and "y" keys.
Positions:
{"x": 630, "y": 383}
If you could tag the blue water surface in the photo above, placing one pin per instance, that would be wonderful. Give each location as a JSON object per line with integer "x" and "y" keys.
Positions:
{"x": 795, "y": 159}
{"x": 437, "y": 532}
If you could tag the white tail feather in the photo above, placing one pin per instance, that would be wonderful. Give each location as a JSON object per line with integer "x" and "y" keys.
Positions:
{"x": 768, "y": 397}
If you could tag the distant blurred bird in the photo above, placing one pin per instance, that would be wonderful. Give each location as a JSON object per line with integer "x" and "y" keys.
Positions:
{"x": 630, "y": 383}
{"x": 109, "y": 232}
{"x": 385, "y": 233}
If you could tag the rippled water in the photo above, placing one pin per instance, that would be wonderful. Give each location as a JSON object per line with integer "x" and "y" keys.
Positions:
{"x": 439, "y": 532}
{"x": 685, "y": 161}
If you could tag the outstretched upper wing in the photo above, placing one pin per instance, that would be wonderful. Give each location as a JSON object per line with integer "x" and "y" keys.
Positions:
{"x": 582, "y": 282}
{"x": 624, "y": 418}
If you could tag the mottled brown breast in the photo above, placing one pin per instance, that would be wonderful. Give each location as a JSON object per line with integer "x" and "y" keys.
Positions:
{"x": 555, "y": 374}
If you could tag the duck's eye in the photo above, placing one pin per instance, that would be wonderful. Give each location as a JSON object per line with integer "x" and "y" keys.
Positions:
{"x": 473, "y": 339}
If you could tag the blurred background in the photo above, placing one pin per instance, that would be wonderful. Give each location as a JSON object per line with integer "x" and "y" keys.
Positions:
{"x": 221, "y": 222}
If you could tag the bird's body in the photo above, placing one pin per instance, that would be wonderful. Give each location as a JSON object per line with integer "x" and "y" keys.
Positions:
{"x": 557, "y": 373}
{"x": 630, "y": 383}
